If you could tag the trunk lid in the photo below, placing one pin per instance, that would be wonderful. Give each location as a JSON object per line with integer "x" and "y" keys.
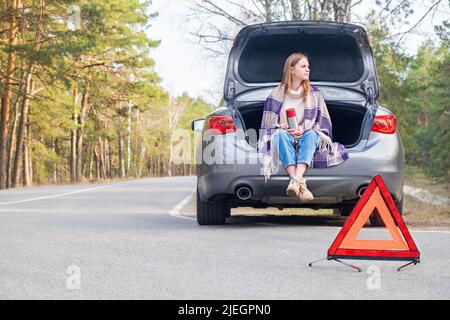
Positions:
{"x": 339, "y": 56}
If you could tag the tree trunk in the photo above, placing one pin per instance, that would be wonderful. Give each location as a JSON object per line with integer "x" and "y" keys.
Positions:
{"x": 27, "y": 165}
{"x": 79, "y": 138}
{"x": 22, "y": 124}
{"x": 12, "y": 145}
{"x": 121, "y": 158}
{"x": 97, "y": 162}
{"x": 55, "y": 172}
{"x": 13, "y": 128}
{"x": 326, "y": 10}
{"x": 141, "y": 160}
{"x": 312, "y": 10}
{"x": 129, "y": 141}
{"x": 6, "y": 100}
{"x": 295, "y": 9}
{"x": 91, "y": 163}
{"x": 73, "y": 135}
{"x": 170, "y": 164}
{"x": 102, "y": 159}
{"x": 342, "y": 10}
{"x": 107, "y": 158}
{"x": 268, "y": 10}
{"x": 26, "y": 99}
{"x": 111, "y": 162}
{"x": 150, "y": 166}
{"x": 159, "y": 163}
{"x": 154, "y": 164}
{"x": 25, "y": 172}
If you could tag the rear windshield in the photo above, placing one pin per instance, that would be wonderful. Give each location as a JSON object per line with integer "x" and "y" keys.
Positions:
{"x": 331, "y": 57}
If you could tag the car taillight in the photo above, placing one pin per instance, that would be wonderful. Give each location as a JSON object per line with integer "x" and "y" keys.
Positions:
{"x": 384, "y": 124}
{"x": 222, "y": 124}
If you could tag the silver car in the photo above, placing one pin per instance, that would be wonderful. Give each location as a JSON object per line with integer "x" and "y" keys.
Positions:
{"x": 228, "y": 160}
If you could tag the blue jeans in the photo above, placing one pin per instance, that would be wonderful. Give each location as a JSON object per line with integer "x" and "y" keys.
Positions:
{"x": 308, "y": 144}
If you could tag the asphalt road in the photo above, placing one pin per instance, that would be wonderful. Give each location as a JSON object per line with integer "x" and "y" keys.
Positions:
{"x": 126, "y": 240}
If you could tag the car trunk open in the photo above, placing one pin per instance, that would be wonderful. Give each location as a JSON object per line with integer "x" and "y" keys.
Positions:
{"x": 341, "y": 65}
{"x": 339, "y": 55}
{"x": 347, "y": 121}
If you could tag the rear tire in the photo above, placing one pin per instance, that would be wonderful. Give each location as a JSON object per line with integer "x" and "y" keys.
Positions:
{"x": 345, "y": 211}
{"x": 212, "y": 212}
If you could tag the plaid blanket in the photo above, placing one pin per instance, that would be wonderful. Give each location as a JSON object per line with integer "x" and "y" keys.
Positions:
{"x": 317, "y": 118}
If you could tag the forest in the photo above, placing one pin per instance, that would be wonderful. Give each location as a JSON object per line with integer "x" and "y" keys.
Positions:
{"x": 81, "y": 100}
{"x": 416, "y": 89}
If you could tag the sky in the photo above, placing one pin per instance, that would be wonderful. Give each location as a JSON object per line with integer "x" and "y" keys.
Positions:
{"x": 184, "y": 66}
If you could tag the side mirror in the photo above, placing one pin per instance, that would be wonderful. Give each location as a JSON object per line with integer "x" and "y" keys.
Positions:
{"x": 197, "y": 125}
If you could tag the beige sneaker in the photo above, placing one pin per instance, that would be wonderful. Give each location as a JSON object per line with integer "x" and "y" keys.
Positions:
{"x": 293, "y": 187}
{"x": 304, "y": 194}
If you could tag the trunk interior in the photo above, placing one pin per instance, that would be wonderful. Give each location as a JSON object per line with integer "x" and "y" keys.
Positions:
{"x": 263, "y": 56}
{"x": 347, "y": 121}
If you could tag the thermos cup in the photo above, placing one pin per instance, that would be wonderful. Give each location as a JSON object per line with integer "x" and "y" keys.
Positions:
{"x": 292, "y": 118}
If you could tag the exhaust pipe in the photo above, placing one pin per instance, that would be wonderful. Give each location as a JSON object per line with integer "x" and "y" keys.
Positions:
{"x": 361, "y": 191}
{"x": 244, "y": 193}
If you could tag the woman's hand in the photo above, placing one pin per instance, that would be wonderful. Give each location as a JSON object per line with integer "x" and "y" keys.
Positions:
{"x": 296, "y": 133}
{"x": 284, "y": 125}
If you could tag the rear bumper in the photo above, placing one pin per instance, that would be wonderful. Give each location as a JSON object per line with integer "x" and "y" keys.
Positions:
{"x": 381, "y": 155}
{"x": 326, "y": 189}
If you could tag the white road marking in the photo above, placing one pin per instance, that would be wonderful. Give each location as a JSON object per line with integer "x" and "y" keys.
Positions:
{"x": 55, "y": 195}
{"x": 175, "y": 212}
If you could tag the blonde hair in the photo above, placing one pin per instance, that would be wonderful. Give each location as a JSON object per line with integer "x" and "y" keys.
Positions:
{"x": 290, "y": 62}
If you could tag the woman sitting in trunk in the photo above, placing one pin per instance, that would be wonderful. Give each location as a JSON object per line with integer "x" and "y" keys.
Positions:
{"x": 310, "y": 144}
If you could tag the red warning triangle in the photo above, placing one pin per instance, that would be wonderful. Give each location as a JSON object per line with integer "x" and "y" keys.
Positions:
{"x": 401, "y": 247}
